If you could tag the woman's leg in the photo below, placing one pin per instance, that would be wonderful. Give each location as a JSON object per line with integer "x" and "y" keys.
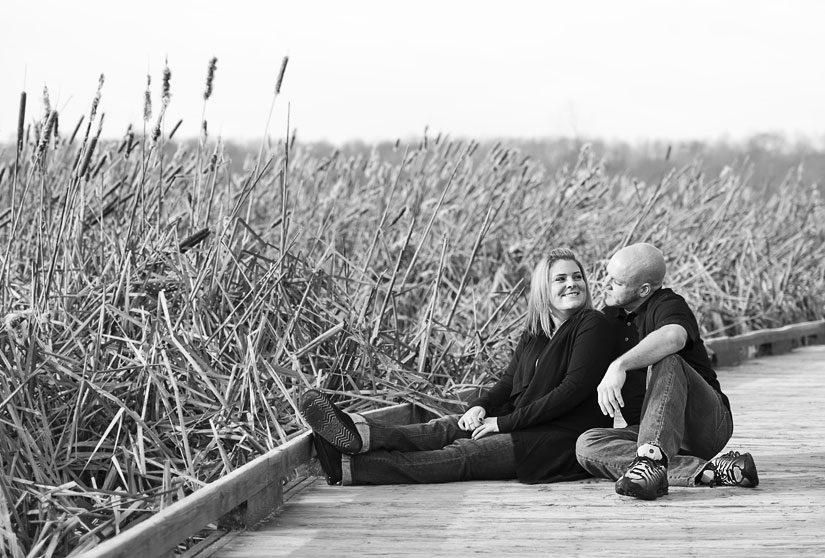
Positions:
{"x": 489, "y": 458}
{"x": 431, "y": 435}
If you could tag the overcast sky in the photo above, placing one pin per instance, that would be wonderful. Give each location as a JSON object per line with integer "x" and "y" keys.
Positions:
{"x": 371, "y": 70}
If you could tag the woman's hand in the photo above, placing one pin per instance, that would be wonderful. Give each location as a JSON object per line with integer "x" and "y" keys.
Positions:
{"x": 489, "y": 426}
{"x": 472, "y": 419}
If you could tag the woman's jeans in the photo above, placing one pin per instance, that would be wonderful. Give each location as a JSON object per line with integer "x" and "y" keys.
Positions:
{"x": 432, "y": 452}
{"x": 681, "y": 415}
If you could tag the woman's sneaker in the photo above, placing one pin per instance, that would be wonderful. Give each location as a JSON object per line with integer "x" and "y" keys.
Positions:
{"x": 645, "y": 479}
{"x": 330, "y": 422}
{"x": 733, "y": 469}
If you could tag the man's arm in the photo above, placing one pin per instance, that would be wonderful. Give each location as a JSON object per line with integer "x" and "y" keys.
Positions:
{"x": 667, "y": 340}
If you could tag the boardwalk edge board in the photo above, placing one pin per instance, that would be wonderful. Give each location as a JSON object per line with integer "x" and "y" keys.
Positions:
{"x": 256, "y": 491}
{"x": 728, "y": 351}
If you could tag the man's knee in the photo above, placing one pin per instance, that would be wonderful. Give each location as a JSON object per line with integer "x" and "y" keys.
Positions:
{"x": 590, "y": 441}
{"x": 670, "y": 362}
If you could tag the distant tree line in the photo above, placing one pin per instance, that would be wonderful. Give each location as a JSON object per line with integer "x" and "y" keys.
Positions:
{"x": 767, "y": 159}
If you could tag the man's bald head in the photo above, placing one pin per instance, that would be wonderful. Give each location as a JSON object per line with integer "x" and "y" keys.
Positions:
{"x": 641, "y": 263}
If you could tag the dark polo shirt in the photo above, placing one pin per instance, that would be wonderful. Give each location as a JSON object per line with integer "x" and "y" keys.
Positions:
{"x": 664, "y": 307}
{"x": 633, "y": 391}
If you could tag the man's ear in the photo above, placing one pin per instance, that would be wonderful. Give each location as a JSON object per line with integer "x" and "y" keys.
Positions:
{"x": 645, "y": 290}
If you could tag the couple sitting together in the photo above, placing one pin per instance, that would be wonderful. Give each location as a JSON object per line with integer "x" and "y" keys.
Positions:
{"x": 550, "y": 415}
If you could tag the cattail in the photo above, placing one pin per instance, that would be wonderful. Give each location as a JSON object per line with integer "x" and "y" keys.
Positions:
{"x": 167, "y": 77}
{"x": 47, "y": 105}
{"x": 130, "y": 141}
{"x": 156, "y": 129}
{"x": 165, "y": 96}
{"x": 21, "y": 119}
{"x": 46, "y": 135}
{"x": 92, "y": 145}
{"x": 147, "y": 100}
{"x": 56, "y": 129}
{"x": 88, "y": 157}
{"x": 99, "y": 165}
{"x": 210, "y": 76}
{"x": 96, "y": 100}
{"x": 281, "y": 75}
{"x": 126, "y": 139}
{"x": 100, "y": 126}
{"x": 37, "y": 129}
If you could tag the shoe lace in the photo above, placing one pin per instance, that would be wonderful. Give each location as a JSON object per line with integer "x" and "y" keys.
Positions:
{"x": 643, "y": 468}
{"x": 725, "y": 469}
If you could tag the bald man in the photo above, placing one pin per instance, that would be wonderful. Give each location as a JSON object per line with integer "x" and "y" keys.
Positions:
{"x": 686, "y": 419}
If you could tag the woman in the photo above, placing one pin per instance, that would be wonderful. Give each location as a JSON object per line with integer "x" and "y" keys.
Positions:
{"x": 524, "y": 427}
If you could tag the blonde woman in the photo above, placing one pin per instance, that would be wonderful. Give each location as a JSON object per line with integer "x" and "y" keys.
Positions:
{"x": 525, "y": 426}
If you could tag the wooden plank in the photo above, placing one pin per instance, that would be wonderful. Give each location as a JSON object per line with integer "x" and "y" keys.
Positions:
{"x": 779, "y": 416}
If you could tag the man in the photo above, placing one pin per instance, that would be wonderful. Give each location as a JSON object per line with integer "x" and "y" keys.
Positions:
{"x": 686, "y": 419}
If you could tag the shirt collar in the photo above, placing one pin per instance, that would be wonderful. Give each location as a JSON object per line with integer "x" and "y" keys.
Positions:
{"x": 640, "y": 311}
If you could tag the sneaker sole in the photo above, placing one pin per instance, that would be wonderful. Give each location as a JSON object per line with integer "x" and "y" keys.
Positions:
{"x": 640, "y": 495}
{"x": 749, "y": 473}
{"x": 323, "y": 418}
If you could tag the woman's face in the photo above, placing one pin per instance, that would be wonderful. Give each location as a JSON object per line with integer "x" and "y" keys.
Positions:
{"x": 568, "y": 291}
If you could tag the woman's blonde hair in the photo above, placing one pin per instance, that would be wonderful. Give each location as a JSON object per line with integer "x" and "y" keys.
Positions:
{"x": 538, "y": 301}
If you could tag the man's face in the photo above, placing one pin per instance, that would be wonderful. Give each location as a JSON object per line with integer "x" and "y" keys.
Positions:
{"x": 620, "y": 290}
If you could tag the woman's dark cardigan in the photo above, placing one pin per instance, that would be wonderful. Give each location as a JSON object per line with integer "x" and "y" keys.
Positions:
{"x": 547, "y": 396}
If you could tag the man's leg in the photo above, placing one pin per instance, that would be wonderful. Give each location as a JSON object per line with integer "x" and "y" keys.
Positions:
{"x": 489, "y": 458}
{"x": 684, "y": 418}
{"x": 606, "y": 452}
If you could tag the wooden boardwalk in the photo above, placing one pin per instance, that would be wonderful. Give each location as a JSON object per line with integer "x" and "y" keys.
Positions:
{"x": 779, "y": 413}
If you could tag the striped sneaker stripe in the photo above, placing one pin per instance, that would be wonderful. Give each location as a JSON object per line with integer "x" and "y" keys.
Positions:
{"x": 644, "y": 479}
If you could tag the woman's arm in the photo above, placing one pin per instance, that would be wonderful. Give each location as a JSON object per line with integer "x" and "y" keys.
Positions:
{"x": 592, "y": 351}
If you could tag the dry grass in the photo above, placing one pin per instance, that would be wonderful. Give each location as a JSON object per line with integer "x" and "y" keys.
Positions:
{"x": 162, "y": 315}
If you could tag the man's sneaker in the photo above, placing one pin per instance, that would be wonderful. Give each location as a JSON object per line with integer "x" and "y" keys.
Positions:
{"x": 329, "y": 458}
{"x": 330, "y": 422}
{"x": 733, "y": 469}
{"x": 645, "y": 479}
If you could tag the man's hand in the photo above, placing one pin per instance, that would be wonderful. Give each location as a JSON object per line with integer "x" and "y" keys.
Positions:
{"x": 489, "y": 426}
{"x": 472, "y": 419}
{"x": 610, "y": 389}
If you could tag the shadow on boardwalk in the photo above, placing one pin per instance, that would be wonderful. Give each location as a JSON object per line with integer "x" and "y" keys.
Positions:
{"x": 779, "y": 413}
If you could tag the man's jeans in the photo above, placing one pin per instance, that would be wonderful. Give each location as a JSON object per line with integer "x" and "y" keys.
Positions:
{"x": 432, "y": 452}
{"x": 681, "y": 414}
